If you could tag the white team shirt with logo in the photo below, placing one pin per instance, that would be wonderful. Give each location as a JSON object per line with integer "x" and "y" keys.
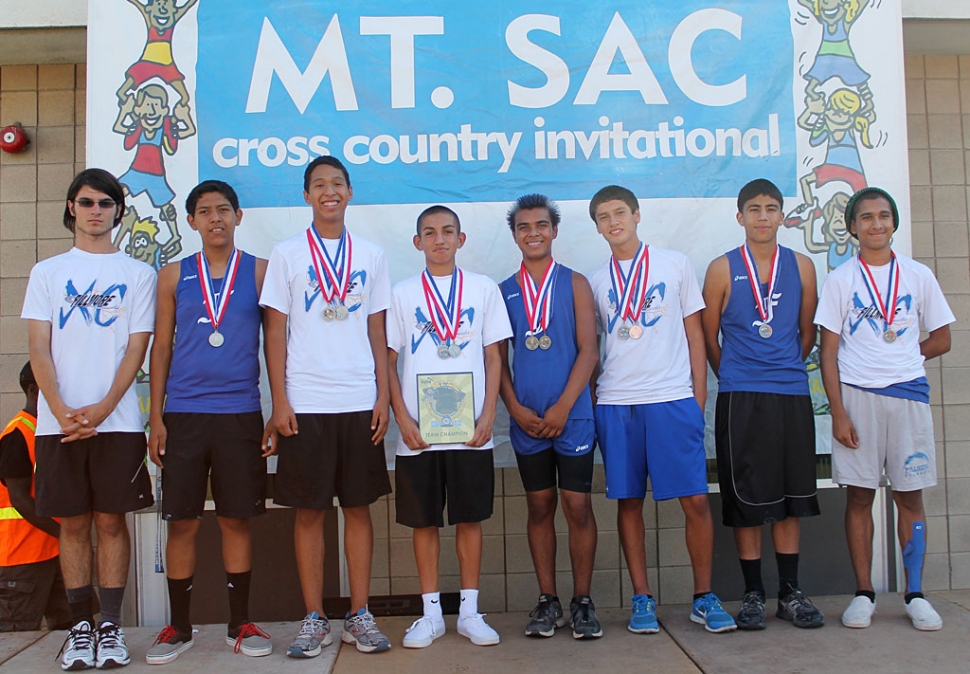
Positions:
{"x": 484, "y": 321}
{"x": 93, "y": 302}
{"x": 656, "y": 367}
{"x": 329, "y": 364}
{"x": 846, "y": 308}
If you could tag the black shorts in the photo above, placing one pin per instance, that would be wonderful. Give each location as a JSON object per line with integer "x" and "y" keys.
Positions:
{"x": 765, "y": 457}
{"x": 332, "y": 455}
{"x": 225, "y": 447}
{"x": 462, "y": 478}
{"x": 30, "y": 592}
{"x": 106, "y": 473}
{"x": 538, "y": 471}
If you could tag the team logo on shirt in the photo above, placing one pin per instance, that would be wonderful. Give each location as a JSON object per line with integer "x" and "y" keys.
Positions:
{"x": 355, "y": 290}
{"x": 916, "y": 465}
{"x": 101, "y": 307}
{"x": 425, "y": 328}
{"x": 652, "y": 311}
{"x": 870, "y": 314}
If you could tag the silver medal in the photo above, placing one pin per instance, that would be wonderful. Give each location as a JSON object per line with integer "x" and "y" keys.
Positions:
{"x": 623, "y": 333}
{"x": 532, "y": 342}
{"x": 889, "y": 336}
{"x": 443, "y": 351}
{"x": 216, "y": 339}
{"x": 342, "y": 312}
{"x": 329, "y": 314}
{"x": 764, "y": 330}
{"x": 454, "y": 351}
{"x": 545, "y": 342}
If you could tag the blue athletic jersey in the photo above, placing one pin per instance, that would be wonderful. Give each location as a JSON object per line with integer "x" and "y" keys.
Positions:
{"x": 203, "y": 378}
{"x": 750, "y": 362}
{"x": 540, "y": 376}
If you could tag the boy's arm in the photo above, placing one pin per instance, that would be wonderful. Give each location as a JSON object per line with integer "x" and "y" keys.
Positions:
{"x": 160, "y": 360}
{"x": 595, "y": 374}
{"x": 283, "y": 420}
{"x": 42, "y": 363}
{"x": 715, "y": 299}
{"x": 806, "y": 323}
{"x": 377, "y": 335}
{"x": 842, "y": 428}
{"x": 936, "y": 344}
{"x": 493, "y": 377}
{"x": 698, "y": 357}
{"x": 526, "y": 419}
{"x": 410, "y": 432}
{"x": 21, "y": 499}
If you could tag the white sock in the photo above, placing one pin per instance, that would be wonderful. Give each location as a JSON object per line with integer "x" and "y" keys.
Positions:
{"x": 469, "y": 603}
{"x": 432, "y": 604}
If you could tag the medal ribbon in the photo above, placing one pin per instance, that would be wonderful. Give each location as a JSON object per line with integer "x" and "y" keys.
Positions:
{"x": 538, "y": 300}
{"x": 763, "y": 303}
{"x": 893, "y": 289}
{"x": 445, "y": 317}
{"x": 336, "y": 282}
{"x": 216, "y": 310}
{"x": 631, "y": 290}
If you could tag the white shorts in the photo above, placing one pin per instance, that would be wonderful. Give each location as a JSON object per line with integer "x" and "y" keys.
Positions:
{"x": 895, "y": 437}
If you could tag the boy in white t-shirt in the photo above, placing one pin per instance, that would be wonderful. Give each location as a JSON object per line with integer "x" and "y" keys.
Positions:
{"x": 91, "y": 312}
{"x": 445, "y": 326}
{"x": 325, "y": 295}
{"x": 871, "y": 311}
{"x": 650, "y": 399}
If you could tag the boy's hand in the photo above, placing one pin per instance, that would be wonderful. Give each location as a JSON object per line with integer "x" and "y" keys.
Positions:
{"x": 380, "y": 419}
{"x": 157, "y": 437}
{"x": 553, "y": 421}
{"x": 411, "y": 434}
{"x": 526, "y": 419}
{"x": 844, "y": 431}
{"x": 483, "y": 430}
{"x": 283, "y": 422}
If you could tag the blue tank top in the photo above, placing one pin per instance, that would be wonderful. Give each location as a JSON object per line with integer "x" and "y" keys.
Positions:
{"x": 540, "y": 376}
{"x": 222, "y": 380}
{"x": 748, "y": 361}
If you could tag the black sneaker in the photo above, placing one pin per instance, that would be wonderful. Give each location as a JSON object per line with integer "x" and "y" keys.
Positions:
{"x": 546, "y": 617}
{"x": 582, "y": 617}
{"x": 752, "y": 614}
{"x": 799, "y": 609}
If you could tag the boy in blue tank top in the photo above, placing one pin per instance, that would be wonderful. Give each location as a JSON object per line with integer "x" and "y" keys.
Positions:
{"x": 760, "y": 299}
{"x": 551, "y": 426}
{"x": 206, "y": 414}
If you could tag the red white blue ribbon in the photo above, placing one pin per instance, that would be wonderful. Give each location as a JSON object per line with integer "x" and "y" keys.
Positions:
{"x": 631, "y": 290}
{"x": 335, "y": 279}
{"x": 763, "y": 303}
{"x": 445, "y": 316}
{"x": 217, "y": 309}
{"x": 538, "y": 299}
{"x": 892, "y": 290}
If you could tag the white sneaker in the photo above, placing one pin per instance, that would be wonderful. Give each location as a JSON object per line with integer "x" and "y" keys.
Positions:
{"x": 112, "y": 650}
{"x": 859, "y": 613}
{"x": 475, "y": 628}
{"x": 423, "y": 631}
{"x": 78, "y": 650}
{"x": 923, "y": 615}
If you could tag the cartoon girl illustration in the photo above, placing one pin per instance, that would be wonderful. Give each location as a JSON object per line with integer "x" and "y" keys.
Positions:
{"x": 835, "y": 57}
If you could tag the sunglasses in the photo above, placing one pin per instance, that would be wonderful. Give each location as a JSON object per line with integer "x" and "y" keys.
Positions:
{"x": 104, "y": 204}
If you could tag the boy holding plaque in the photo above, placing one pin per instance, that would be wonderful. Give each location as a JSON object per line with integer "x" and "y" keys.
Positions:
{"x": 760, "y": 300}
{"x": 445, "y": 325}
{"x": 325, "y": 297}
{"x": 650, "y": 399}
{"x": 551, "y": 425}
{"x": 206, "y": 415}
{"x": 871, "y": 311}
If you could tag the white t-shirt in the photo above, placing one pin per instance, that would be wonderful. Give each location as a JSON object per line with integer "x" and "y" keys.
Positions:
{"x": 846, "y": 308}
{"x": 484, "y": 321}
{"x": 93, "y": 302}
{"x": 329, "y": 364}
{"x": 656, "y": 367}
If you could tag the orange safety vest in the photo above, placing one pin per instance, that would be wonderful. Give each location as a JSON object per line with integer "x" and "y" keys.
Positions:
{"x": 20, "y": 541}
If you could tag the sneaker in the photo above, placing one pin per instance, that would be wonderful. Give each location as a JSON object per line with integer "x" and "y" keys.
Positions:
{"x": 423, "y": 631}
{"x": 475, "y": 628}
{"x": 361, "y": 630}
{"x": 752, "y": 614}
{"x": 112, "y": 649}
{"x": 859, "y": 613}
{"x": 923, "y": 615}
{"x": 314, "y": 635}
{"x": 169, "y": 644}
{"x": 707, "y": 611}
{"x": 78, "y": 649}
{"x": 249, "y": 640}
{"x": 799, "y": 609}
{"x": 546, "y": 617}
{"x": 644, "y": 617}
{"x": 582, "y": 617}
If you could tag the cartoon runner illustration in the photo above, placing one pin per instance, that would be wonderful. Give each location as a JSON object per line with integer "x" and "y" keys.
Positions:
{"x": 835, "y": 57}
{"x": 836, "y": 243}
{"x": 157, "y": 60}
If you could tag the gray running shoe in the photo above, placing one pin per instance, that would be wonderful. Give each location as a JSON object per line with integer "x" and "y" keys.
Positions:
{"x": 546, "y": 617}
{"x": 361, "y": 630}
{"x": 314, "y": 635}
{"x": 799, "y": 609}
{"x": 169, "y": 644}
{"x": 752, "y": 614}
{"x": 582, "y": 617}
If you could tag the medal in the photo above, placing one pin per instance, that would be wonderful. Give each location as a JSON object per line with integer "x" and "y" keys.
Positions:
{"x": 889, "y": 335}
{"x": 545, "y": 342}
{"x": 763, "y": 304}
{"x": 532, "y": 342}
{"x": 443, "y": 352}
{"x": 636, "y": 332}
{"x": 630, "y": 291}
{"x": 454, "y": 351}
{"x": 538, "y": 304}
{"x": 217, "y": 310}
{"x": 333, "y": 276}
{"x": 445, "y": 316}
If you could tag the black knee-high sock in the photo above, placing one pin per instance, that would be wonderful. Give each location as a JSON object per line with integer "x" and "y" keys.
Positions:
{"x": 238, "y": 598}
{"x": 180, "y": 599}
{"x": 787, "y": 573}
{"x": 751, "y": 570}
{"x": 79, "y": 599}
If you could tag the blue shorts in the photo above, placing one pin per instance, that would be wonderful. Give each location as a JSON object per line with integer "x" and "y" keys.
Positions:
{"x": 662, "y": 440}
{"x": 577, "y": 438}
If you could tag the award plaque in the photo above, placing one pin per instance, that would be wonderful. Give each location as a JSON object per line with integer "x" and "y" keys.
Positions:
{"x": 446, "y": 407}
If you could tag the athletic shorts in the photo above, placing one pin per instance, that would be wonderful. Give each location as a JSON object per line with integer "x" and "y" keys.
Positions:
{"x": 765, "y": 457}
{"x": 539, "y": 471}
{"x": 225, "y": 447}
{"x": 106, "y": 473}
{"x": 895, "y": 437}
{"x": 30, "y": 592}
{"x": 578, "y": 437}
{"x": 662, "y": 440}
{"x": 464, "y": 479}
{"x": 331, "y": 456}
